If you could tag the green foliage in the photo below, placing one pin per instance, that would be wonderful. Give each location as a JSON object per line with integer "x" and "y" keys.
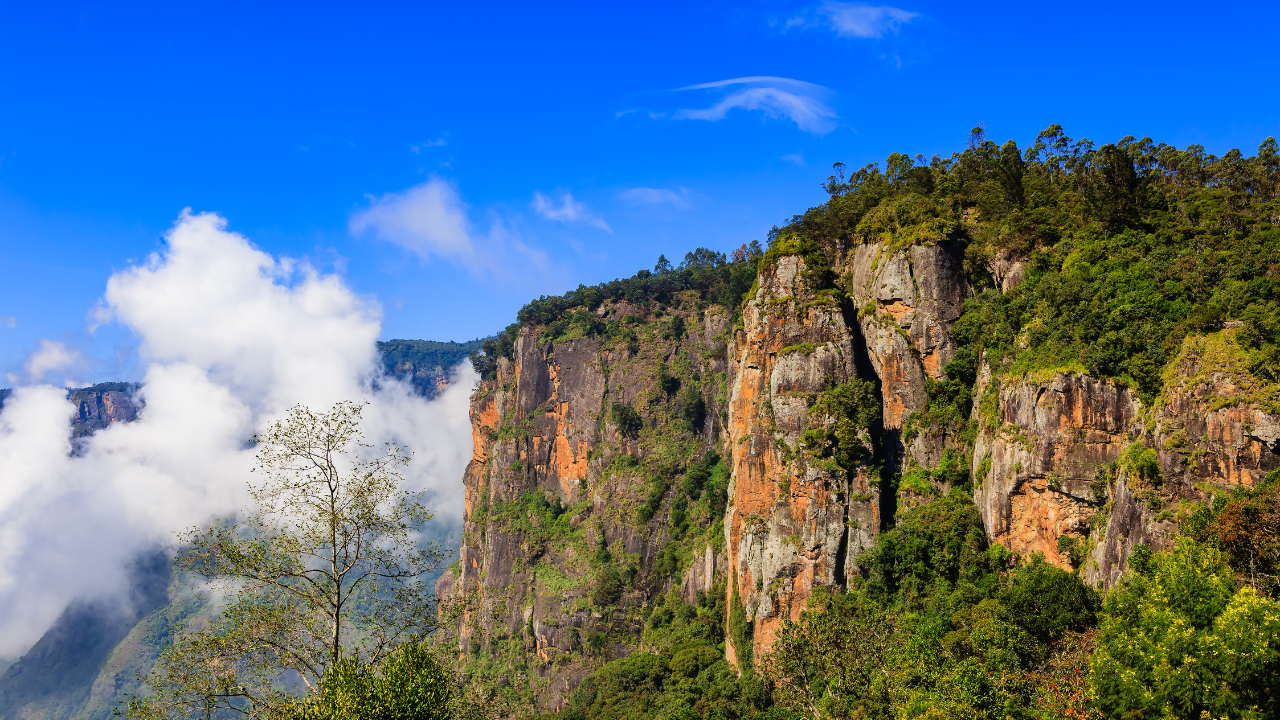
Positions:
{"x": 503, "y": 345}
{"x": 693, "y": 409}
{"x": 938, "y": 628}
{"x": 539, "y": 521}
{"x": 666, "y": 382}
{"x": 678, "y": 672}
{"x": 1072, "y": 548}
{"x": 836, "y": 661}
{"x": 817, "y": 271}
{"x": 627, "y": 419}
{"x": 1048, "y": 602}
{"x": 840, "y": 418}
{"x": 715, "y": 278}
{"x": 1129, "y": 247}
{"x": 609, "y": 587}
{"x": 937, "y": 544}
{"x": 1182, "y": 642}
{"x": 1246, "y": 526}
{"x": 410, "y": 684}
{"x": 1141, "y": 465}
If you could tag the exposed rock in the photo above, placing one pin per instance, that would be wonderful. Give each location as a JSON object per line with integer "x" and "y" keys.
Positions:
{"x": 1130, "y": 523}
{"x": 100, "y": 405}
{"x": 1008, "y": 268}
{"x": 1034, "y": 461}
{"x": 1214, "y": 422}
{"x": 543, "y": 428}
{"x": 793, "y": 523}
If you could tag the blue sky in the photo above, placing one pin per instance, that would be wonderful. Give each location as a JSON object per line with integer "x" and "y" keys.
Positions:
{"x": 455, "y": 160}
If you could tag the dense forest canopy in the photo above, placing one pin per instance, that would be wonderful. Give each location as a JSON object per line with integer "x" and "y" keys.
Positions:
{"x": 717, "y": 280}
{"x": 1128, "y": 247}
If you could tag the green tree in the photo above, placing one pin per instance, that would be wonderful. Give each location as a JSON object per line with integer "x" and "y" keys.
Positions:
{"x": 1181, "y": 642}
{"x": 320, "y": 568}
{"x": 836, "y": 661}
{"x": 409, "y": 684}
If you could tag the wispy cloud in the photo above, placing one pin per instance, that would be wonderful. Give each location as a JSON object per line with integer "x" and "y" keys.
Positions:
{"x": 794, "y": 158}
{"x": 856, "y": 20}
{"x": 656, "y": 196}
{"x": 568, "y": 211}
{"x": 417, "y": 149}
{"x": 431, "y": 221}
{"x": 776, "y": 97}
{"x": 52, "y": 355}
{"x": 8, "y": 321}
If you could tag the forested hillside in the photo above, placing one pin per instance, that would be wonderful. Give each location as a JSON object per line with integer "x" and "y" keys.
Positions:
{"x": 426, "y": 364}
{"x": 1001, "y": 434}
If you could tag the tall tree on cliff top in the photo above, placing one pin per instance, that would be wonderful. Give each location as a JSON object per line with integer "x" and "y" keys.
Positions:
{"x": 322, "y": 568}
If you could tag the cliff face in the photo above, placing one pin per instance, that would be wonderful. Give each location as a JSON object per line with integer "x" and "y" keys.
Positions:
{"x": 100, "y": 405}
{"x": 907, "y": 299}
{"x": 1214, "y": 427}
{"x": 1038, "y": 453}
{"x": 1061, "y": 463}
{"x": 580, "y": 445}
{"x": 794, "y": 522}
{"x": 798, "y": 520}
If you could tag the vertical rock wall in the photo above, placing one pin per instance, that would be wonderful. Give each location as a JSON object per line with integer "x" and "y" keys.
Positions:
{"x": 795, "y": 522}
{"x": 792, "y": 523}
{"x": 544, "y": 433}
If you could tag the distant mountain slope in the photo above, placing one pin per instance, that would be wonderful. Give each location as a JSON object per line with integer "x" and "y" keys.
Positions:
{"x": 55, "y": 678}
{"x": 424, "y": 363}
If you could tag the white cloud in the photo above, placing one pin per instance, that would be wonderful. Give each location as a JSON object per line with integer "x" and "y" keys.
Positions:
{"x": 656, "y": 196}
{"x": 8, "y": 321}
{"x": 431, "y": 220}
{"x": 230, "y": 338}
{"x": 794, "y": 158}
{"x": 776, "y": 97}
{"x": 569, "y": 211}
{"x": 51, "y": 356}
{"x": 858, "y": 20}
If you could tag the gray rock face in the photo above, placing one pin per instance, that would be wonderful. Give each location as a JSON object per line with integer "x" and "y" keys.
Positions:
{"x": 543, "y": 430}
{"x": 793, "y": 521}
{"x": 1033, "y": 467}
{"x": 1130, "y": 523}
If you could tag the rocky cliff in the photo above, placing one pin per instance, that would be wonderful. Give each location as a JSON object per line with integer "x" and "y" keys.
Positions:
{"x": 589, "y": 485}
{"x": 799, "y": 517}
{"x": 823, "y": 407}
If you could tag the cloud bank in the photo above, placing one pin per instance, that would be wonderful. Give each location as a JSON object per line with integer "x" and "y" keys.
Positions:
{"x": 776, "y": 97}
{"x": 230, "y": 338}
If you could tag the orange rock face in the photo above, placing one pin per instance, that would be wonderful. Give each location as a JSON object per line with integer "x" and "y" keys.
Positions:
{"x": 543, "y": 431}
{"x": 793, "y": 523}
{"x": 1042, "y": 455}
